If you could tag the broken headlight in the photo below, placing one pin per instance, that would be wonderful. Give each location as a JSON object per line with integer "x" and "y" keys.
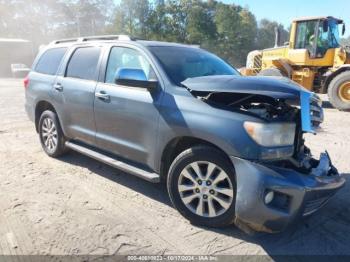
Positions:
{"x": 271, "y": 134}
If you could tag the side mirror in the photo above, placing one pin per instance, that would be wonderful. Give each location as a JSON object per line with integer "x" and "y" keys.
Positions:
{"x": 343, "y": 30}
{"x": 325, "y": 26}
{"x": 134, "y": 77}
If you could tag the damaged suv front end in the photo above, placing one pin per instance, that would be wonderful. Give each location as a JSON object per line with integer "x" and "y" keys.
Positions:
{"x": 282, "y": 182}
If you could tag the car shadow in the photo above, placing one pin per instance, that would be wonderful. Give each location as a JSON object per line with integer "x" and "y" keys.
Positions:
{"x": 155, "y": 191}
{"x": 327, "y": 232}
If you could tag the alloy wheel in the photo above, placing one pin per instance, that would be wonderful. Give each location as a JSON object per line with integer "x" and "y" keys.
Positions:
{"x": 49, "y": 134}
{"x": 205, "y": 189}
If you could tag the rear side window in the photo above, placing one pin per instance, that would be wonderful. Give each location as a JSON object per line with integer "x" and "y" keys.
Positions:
{"x": 50, "y": 61}
{"x": 83, "y": 63}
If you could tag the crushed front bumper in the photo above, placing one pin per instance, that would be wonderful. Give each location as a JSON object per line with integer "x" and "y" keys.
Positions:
{"x": 295, "y": 194}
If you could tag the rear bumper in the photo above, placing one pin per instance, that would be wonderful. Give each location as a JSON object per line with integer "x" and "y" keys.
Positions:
{"x": 30, "y": 111}
{"x": 296, "y": 194}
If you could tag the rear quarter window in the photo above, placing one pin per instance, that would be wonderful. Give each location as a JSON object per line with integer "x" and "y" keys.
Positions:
{"x": 83, "y": 63}
{"x": 50, "y": 60}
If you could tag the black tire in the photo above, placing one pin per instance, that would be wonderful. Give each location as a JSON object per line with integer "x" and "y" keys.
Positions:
{"x": 212, "y": 155}
{"x": 59, "y": 148}
{"x": 334, "y": 89}
{"x": 271, "y": 72}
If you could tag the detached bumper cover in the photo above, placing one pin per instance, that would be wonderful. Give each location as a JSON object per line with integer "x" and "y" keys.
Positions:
{"x": 304, "y": 193}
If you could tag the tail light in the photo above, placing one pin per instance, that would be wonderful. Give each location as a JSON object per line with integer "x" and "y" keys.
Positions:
{"x": 26, "y": 82}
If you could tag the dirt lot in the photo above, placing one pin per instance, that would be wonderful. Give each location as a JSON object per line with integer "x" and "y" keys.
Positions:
{"x": 75, "y": 205}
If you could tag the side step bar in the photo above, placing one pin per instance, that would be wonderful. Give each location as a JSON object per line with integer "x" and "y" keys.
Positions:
{"x": 152, "y": 177}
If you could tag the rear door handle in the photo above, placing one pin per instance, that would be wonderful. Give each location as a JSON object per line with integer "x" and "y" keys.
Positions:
{"x": 103, "y": 96}
{"x": 58, "y": 87}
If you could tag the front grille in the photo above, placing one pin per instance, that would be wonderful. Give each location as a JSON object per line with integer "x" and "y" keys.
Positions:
{"x": 316, "y": 111}
{"x": 311, "y": 112}
{"x": 257, "y": 63}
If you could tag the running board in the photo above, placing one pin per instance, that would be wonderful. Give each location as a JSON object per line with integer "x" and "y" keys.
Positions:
{"x": 152, "y": 177}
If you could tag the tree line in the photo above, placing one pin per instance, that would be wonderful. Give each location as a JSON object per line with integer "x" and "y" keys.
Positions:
{"x": 229, "y": 30}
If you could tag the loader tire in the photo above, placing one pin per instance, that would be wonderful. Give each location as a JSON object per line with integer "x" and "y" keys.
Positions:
{"x": 339, "y": 91}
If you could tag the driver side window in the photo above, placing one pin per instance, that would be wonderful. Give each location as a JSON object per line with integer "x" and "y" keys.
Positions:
{"x": 124, "y": 57}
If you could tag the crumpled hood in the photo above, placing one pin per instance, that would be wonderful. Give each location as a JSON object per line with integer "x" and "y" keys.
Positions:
{"x": 276, "y": 87}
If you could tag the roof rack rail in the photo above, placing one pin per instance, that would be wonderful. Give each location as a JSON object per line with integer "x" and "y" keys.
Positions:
{"x": 107, "y": 37}
{"x": 94, "y": 38}
{"x": 67, "y": 40}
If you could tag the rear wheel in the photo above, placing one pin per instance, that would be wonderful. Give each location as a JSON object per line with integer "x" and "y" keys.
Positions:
{"x": 50, "y": 133}
{"x": 339, "y": 91}
{"x": 202, "y": 186}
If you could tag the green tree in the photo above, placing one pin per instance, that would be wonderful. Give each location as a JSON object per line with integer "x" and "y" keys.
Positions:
{"x": 266, "y": 34}
{"x": 236, "y": 28}
{"x": 200, "y": 26}
{"x": 6, "y": 14}
{"x": 228, "y": 30}
{"x": 33, "y": 20}
{"x": 157, "y": 21}
{"x": 133, "y": 17}
{"x": 84, "y": 17}
{"x": 175, "y": 22}
{"x": 43, "y": 21}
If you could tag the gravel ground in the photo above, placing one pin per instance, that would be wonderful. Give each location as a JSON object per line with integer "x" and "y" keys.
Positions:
{"x": 75, "y": 205}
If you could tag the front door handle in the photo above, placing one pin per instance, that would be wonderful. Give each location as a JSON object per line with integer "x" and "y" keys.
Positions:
{"x": 103, "y": 96}
{"x": 58, "y": 87}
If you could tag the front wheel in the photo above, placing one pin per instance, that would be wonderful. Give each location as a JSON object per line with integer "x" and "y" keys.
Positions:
{"x": 339, "y": 91}
{"x": 202, "y": 186}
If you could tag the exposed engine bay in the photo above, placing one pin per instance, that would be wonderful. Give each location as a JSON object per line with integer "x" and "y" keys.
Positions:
{"x": 264, "y": 107}
{"x": 268, "y": 109}
{"x": 270, "y": 104}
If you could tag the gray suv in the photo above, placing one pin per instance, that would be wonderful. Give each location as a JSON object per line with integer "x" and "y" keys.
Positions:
{"x": 230, "y": 148}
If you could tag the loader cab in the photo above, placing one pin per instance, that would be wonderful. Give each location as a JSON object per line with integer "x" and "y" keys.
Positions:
{"x": 317, "y": 35}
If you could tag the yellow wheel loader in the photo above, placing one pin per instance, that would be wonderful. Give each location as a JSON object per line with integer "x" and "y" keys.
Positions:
{"x": 313, "y": 58}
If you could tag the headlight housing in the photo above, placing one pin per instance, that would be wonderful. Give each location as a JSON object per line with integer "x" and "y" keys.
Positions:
{"x": 271, "y": 134}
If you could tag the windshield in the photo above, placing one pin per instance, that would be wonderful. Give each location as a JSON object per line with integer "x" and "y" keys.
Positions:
{"x": 181, "y": 63}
